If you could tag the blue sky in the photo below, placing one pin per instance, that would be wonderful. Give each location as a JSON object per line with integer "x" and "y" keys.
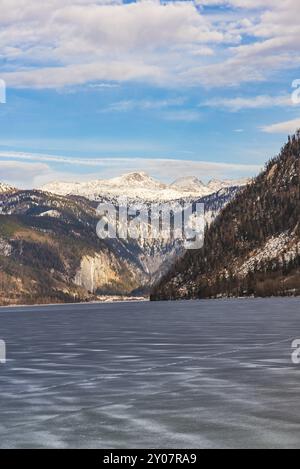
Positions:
{"x": 95, "y": 89}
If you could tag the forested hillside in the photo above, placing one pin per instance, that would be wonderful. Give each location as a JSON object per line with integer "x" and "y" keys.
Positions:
{"x": 253, "y": 246}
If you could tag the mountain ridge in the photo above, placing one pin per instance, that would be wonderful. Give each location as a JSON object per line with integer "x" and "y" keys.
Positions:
{"x": 139, "y": 185}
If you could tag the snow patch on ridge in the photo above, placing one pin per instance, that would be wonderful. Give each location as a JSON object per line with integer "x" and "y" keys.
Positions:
{"x": 280, "y": 248}
{"x": 51, "y": 214}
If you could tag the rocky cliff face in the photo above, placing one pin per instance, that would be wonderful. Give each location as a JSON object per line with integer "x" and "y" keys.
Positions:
{"x": 95, "y": 272}
{"x": 102, "y": 273}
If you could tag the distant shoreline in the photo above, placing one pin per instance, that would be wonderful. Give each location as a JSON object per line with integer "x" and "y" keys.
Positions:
{"x": 109, "y": 300}
{"x": 147, "y": 300}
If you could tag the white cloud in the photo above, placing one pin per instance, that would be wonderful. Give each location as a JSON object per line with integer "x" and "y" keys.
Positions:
{"x": 57, "y": 77}
{"x": 91, "y": 41}
{"x": 53, "y": 44}
{"x": 288, "y": 127}
{"x": 238, "y": 3}
{"x": 22, "y": 174}
{"x": 255, "y": 102}
{"x": 144, "y": 104}
{"x": 84, "y": 145}
{"x": 167, "y": 108}
{"x": 103, "y": 85}
{"x": 39, "y": 169}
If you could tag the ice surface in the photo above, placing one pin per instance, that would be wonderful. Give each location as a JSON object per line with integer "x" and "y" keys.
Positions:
{"x": 174, "y": 375}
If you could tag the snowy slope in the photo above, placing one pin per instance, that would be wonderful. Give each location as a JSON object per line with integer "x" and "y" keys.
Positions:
{"x": 277, "y": 249}
{"x": 215, "y": 185}
{"x": 190, "y": 184}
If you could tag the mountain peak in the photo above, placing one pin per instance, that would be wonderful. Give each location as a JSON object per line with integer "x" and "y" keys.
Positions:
{"x": 136, "y": 179}
{"x": 188, "y": 184}
{"x": 5, "y": 188}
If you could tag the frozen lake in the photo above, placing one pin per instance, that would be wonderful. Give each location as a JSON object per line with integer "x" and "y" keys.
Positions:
{"x": 198, "y": 374}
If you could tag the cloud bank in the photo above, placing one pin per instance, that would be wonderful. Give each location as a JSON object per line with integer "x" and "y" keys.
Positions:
{"x": 33, "y": 170}
{"x": 53, "y": 44}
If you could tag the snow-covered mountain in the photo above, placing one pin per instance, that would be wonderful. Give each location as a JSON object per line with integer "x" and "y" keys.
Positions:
{"x": 77, "y": 264}
{"x": 215, "y": 185}
{"x": 53, "y": 250}
{"x": 139, "y": 185}
{"x": 5, "y": 188}
{"x": 138, "y": 180}
{"x": 190, "y": 184}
